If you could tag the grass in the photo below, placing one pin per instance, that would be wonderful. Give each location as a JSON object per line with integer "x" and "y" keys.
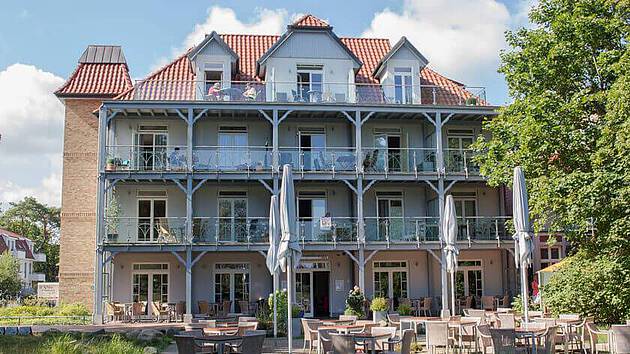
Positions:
{"x": 76, "y": 344}
{"x": 44, "y": 315}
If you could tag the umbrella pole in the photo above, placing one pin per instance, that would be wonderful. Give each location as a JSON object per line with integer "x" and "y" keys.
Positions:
{"x": 524, "y": 292}
{"x": 289, "y": 301}
{"x": 275, "y": 307}
{"x": 453, "y": 293}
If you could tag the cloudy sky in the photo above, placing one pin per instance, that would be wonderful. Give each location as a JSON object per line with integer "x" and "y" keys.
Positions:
{"x": 40, "y": 42}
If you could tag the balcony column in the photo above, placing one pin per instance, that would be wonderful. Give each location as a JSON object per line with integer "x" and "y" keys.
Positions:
{"x": 189, "y": 138}
{"x": 97, "y": 316}
{"x": 360, "y": 221}
{"x": 189, "y": 210}
{"x": 441, "y": 201}
{"x": 274, "y": 143}
{"x": 188, "y": 316}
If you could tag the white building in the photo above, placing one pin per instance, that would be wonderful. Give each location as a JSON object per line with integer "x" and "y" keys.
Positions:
{"x": 22, "y": 248}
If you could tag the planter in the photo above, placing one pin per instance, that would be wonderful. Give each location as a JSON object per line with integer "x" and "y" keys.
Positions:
{"x": 378, "y": 316}
{"x": 296, "y": 326}
{"x": 471, "y": 101}
{"x": 110, "y": 166}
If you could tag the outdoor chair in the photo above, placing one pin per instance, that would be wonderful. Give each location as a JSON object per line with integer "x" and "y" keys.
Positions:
{"x": 438, "y": 336}
{"x": 252, "y": 343}
{"x": 382, "y": 335}
{"x": 620, "y": 343}
{"x": 547, "y": 321}
{"x": 243, "y": 327}
{"x": 159, "y": 312}
{"x": 426, "y": 306}
{"x": 309, "y": 327}
{"x": 348, "y": 318}
{"x": 116, "y": 312}
{"x": 474, "y": 313}
{"x": 405, "y": 343}
{"x": 247, "y": 319}
{"x": 593, "y": 337}
{"x": 186, "y": 344}
{"x": 487, "y": 303}
{"x": 484, "y": 339}
{"x": 137, "y": 311}
{"x": 548, "y": 341}
{"x": 204, "y": 308}
{"x": 208, "y": 323}
{"x": 180, "y": 309}
{"x": 535, "y": 314}
{"x": 394, "y": 320}
{"x": 504, "y": 341}
{"x": 324, "y": 341}
{"x": 569, "y": 316}
{"x": 343, "y": 344}
{"x": 505, "y": 301}
{"x": 225, "y": 307}
{"x": 367, "y": 328}
{"x": 506, "y": 320}
{"x": 243, "y": 306}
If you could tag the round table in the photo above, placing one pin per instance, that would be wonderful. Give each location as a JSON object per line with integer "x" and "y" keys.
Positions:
{"x": 219, "y": 341}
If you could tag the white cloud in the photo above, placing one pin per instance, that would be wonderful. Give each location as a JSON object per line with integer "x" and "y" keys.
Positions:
{"x": 224, "y": 20}
{"x": 31, "y": 125}
{"x": 460, "y": 38}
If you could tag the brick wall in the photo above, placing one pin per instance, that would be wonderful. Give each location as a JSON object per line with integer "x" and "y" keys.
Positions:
{"x": 78, "y": 202}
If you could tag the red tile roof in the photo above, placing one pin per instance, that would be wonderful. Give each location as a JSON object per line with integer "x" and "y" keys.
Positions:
{"x": 21, "y": 243}
{"x": 175, "y": 80}
{"x": 309, "y": 20}
{"x": 101, "y": 72}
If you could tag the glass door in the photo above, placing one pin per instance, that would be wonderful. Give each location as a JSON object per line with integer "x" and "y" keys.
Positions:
{"x": 151, "y": 151}
{"x": 233, "y": 150}
{"x": 389, "y": 153}
{"x": 310, "y": 211}
{"x": 309, "y": 84}
{"x": 304, "y": 292}
{"x": 469, "y": 279}
{"x": 458, "y": 143}
{"x": 391, "y": 281}
{"x": 312, "y": 151}
{"x": 466, "y": 211}
{"x": 151, "y": 219}
{"x": 149, "y": 287}
{"x": 390, "y": 218}
{"x": 231, "y": 283}
{"x": 233, "y": 219}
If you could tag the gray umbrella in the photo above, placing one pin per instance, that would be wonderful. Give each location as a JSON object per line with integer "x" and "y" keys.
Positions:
{"x": 272, "y": 254}
{"x": 449, "y": 232}
{"x": 522, "y": 228}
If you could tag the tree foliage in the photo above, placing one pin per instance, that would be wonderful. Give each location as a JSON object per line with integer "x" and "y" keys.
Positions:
{"x": 40, "y": 223}
{"x": 10, "y": 284}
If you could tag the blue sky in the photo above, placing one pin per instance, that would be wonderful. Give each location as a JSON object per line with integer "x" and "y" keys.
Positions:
{"x": 461, "y": 38}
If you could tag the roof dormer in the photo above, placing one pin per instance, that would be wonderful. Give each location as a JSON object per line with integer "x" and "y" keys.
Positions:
{"x": 403, "y": 53}
{"x": 213, "y": 61}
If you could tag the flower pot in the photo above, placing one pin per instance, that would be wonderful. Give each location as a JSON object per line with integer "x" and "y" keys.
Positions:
{"x": 110, "y": 166}
{"x": 471, "y": 101}
{"x": 378, "y": 316}
{"x": 296, "y": 327}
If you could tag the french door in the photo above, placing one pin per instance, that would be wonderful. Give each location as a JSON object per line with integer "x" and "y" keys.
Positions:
{"x": 150, "y": 283}
{"x": 390, "y": 213}
{"x": 232, "y": 148}
{"x": 458, "y": 156}
{"x": 391, "y": 281}
{"x": 232, "y": 219}
{"x": 150, "y": 213}
{"x": 389, "y": 153}
{"x": 469, "y": 279}
{"x": 231, "y": 283}
{"x": 311, "y": 208}
{"x": 312, "y": 150}
{"x": 151, "y": 150}
{"x": 466, "y": 210}
{"x": 304, "y": 292}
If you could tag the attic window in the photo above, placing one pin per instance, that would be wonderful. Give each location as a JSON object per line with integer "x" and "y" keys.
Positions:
{"x": 213, "y": 73}
{"x": 309, "y": 82}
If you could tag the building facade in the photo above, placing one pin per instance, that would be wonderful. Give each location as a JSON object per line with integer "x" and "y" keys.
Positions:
{"x": 169, "y": 179}
{"x": 22, "y": 249}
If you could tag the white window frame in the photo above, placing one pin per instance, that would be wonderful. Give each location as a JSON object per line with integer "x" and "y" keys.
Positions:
{"x": 465, "y": 269}
{"x": 390, "y": 275}
{"x": 152, "y": 237}
{"x": 150, "y": 273}
{"x": 299, "y": 269}
{"x": 404, "y": 75}
{"x": 232, "y": 272}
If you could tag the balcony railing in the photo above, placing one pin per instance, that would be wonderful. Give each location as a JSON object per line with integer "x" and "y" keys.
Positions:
{"x": 329, "y": 159}
{"x": 327, "y": 230}
{"x": 316, "y": 93}
{"x": 231, "y": 230}
{"x": 147, "y": 158}
{"x": 333, "y": 230}
{"x": 132, "y": 230}
{"x": 232, "y": 159}
{"x": 398, "y": 161}
{"x": 460, "y": 161}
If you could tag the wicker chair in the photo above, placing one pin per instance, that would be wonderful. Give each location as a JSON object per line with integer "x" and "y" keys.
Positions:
{"x": 343, "y": 344}
{"x": 348, "y": 318}
{"x": 159, "y": 312}
{"x": 506, "y": 320}
{"x": 186, "y": 344}
{"x": 324, "y": 341}
{"x": 405, "y": 343}
{"x": 394, "y": 320}
{"x": 137, "y": 311}
{"x": 426, "y": 306}
{"x": 503, "y": 341}
{"x": 309, "y": 327}
{"x": 382, "y": 335}
{"x": 549, "y": 340}
{"x": 204, "y": 308}
{"x": 114, "y": 311}
{"x": 620, "y": 339}
{"x": 487, "y": 303}
{"x": 438, "y": 336}
{"x": 252, "y": 343}
{"x": 243, "y": 306}
{"x": 593, "y": 337}
{"x": 484, "y": 339}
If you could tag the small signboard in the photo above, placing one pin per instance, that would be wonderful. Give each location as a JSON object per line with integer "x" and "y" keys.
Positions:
{"x": 325, "y": 223}
{"x": 48, "y": 291}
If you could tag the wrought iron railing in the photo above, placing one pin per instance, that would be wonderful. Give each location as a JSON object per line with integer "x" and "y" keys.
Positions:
{"x": 398, "y": 161}
{"x": 310, "y": 93}
{"x": 232, "y": 159}
{"x": 460, "y": 161}
{"x": 230, "y": 230}
{"x": 327, "y": 230}
{"x": 140, "y": 230}
{"x": 147, "y": 158}
{"x": 329, "y": 159}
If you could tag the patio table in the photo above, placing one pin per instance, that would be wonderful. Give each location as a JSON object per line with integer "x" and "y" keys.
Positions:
{"x": 219, "y": 341}
{"x": 367, "y": 341}
{"x": 344, "y": 329}
{"x": 529, "y": 335}
{"x": 222, "y": 331}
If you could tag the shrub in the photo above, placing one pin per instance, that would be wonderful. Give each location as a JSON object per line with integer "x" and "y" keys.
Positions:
{"x": 72, "y": 310}
{"x": 10, "y": 284}
{"x": 517, "y": 305}
{"x": 282, "y": 310}
{"x": 404, "y": 310}
{"x": 354, "y": 303}
{"x": 597, "y": 286}
{"x": 379, "y": 304}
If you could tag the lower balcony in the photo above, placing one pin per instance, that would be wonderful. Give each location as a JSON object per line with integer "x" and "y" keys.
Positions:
{"x": 327, "y": 230}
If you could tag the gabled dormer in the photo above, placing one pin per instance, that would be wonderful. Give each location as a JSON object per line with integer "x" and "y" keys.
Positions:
{"x": 213, "y": 62}
{"x": 309, "y": 63}
{"x": 399, "y": 73}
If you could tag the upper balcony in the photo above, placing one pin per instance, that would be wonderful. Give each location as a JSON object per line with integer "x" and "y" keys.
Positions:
{"x": 309, "y": 93}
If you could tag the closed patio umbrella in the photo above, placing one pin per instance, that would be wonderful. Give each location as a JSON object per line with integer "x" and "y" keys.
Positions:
{"x": 523, "y": 253}
{"x": 449, "y": 234}
{"x": 272, "y": 254}
{"x": 289, "y": 251}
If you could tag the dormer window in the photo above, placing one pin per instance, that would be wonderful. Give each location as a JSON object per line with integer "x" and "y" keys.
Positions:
{"x": 403, "y": 90}
{"x": 309, "y": 83}
{"x": 213, "y": 74}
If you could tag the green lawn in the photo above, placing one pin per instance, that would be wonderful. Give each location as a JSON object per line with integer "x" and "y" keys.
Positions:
{"x": 76, "y": 344}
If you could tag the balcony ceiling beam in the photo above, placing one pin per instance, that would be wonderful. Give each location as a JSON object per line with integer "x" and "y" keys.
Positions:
{"x": 199, "y": 115}
{"x": 266, "y": 185}
{"x": 181, "y": 115}
{"x": 368, "y": 116}
{"x": 201, "y": 183}
{"x": 198, "y": 258}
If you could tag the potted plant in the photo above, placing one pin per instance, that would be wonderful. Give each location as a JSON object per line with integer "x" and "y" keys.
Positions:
{"x": 110, "y": 164}
{"x": 471, "y": 101}
{"x": 379, "y": 308}
{"x": 112, "y": 216}
{"x": 354, "y": 303}
{"x": 404, "y": 310}
{"x": 296, "y": 320}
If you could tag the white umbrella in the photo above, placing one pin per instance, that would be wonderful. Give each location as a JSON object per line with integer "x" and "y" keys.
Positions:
{"x": 449, "y": 233}
{"x": 272, "y": 254}
{"x": 289, "y": 251}
{"x": 523, "y": 253}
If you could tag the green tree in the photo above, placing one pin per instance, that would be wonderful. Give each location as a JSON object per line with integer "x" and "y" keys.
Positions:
{"x": 41, "y": 224}
{"x": 10, "y": 284}
{"x": 569, "y": 127}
